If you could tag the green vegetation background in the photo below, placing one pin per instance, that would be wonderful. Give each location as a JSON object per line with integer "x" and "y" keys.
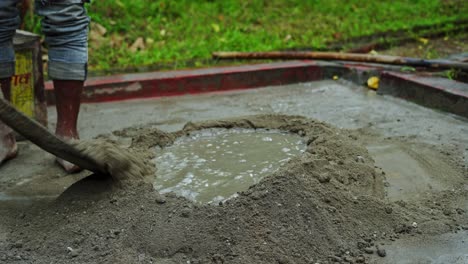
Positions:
{"x": 128, "y": 33}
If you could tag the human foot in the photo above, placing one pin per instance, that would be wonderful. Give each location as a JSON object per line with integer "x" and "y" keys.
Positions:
{"x": 67, "y": 166}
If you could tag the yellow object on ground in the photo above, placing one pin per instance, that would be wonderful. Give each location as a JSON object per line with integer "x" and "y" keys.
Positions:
{"x": 373, "y": 82}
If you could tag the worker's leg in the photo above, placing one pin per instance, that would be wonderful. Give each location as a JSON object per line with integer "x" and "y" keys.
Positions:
{"x": 8, "y": 147}
{"x": 65, "y": 25}
{"x": 68, "y": 93}
{"x": 9, "y": 22}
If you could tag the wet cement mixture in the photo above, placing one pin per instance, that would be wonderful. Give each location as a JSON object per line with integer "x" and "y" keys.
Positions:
{"x": 327, "y": 205}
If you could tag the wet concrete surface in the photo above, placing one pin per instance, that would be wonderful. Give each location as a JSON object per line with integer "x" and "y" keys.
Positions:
{"x": 411, "y": 172}
{"x": 408, "y": 178}
{"x": 442, "y": 249}
{"x": 341, "y": 104}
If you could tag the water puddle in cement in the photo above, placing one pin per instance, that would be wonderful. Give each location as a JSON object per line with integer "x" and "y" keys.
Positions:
{"x": 212, "y": 165}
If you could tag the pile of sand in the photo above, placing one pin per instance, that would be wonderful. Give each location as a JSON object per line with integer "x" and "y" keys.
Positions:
{"x": 326, "y": 206}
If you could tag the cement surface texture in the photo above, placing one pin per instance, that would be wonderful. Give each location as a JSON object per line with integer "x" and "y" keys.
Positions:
{"x": 416, "y": 147}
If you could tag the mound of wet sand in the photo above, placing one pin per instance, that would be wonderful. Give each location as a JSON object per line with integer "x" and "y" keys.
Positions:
{"x": 325, "y": 206}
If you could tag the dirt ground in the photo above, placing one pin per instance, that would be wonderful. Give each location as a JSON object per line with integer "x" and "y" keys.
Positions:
{"x": 329, "y": 205}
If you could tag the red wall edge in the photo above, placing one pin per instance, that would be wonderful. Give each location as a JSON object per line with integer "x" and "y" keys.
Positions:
{"x": 172, "y": 83}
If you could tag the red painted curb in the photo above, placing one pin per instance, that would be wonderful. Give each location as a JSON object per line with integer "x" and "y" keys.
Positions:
{"x": 433, "y": 92}
{"x": 171, "y": 83}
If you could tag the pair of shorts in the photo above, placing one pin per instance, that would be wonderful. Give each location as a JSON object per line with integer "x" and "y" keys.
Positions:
{"x": 65, "y": 25}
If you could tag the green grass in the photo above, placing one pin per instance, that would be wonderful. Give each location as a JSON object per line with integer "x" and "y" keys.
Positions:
{"x": 179, "y": 30}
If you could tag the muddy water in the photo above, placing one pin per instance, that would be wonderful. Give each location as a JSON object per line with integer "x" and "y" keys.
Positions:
{"x": 212, "y": 165}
